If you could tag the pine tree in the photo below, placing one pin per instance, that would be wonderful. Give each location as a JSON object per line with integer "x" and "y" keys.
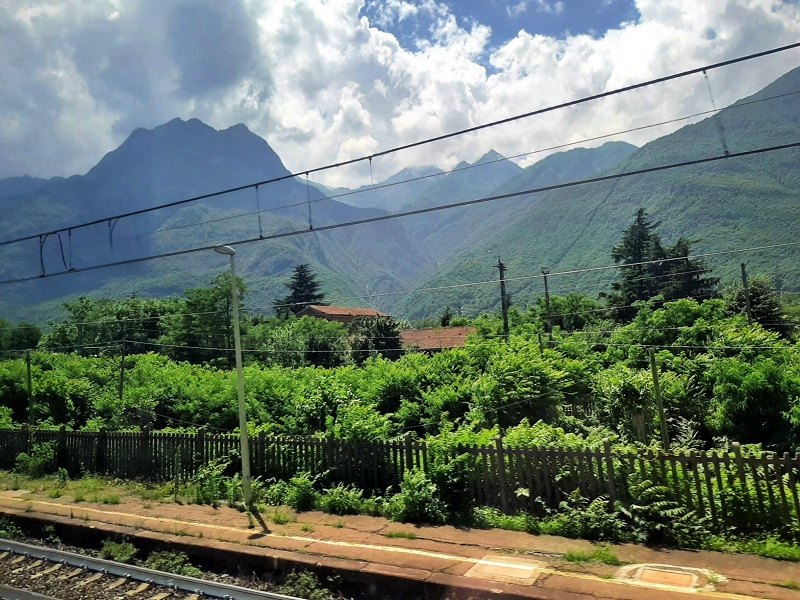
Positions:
{"x": 304, "y": 289}
{"x": 655, "y": 270}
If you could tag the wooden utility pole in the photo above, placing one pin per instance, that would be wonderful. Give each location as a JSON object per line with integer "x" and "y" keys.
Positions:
{"x": 746, "y": 287}
{"x": 30, "y": 387}
{"x": 503, "y": 297}
{"x": 662, "y": 417}
{"x": 549, "y": 317}
{"x": 122, "y": 372}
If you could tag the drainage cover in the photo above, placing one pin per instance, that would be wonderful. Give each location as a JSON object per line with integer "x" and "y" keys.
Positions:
{"x": 506, "y": 569}
{"x": 670, "y": 576}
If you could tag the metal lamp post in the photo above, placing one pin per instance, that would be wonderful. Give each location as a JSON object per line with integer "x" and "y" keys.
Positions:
{"x": 245, "y": 445}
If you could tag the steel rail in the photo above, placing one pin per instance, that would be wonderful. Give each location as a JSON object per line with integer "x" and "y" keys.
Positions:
{"x": 12, "y": 593}
{"x": 181, "y": 582}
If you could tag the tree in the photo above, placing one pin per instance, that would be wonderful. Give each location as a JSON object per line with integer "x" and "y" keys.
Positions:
{"x": 304, "y": 289}
{"x": 375, "y": 335}
{"x": 764, "y": 304}
{"x": 205, "y": 323}
{"x": 655, "y": 269}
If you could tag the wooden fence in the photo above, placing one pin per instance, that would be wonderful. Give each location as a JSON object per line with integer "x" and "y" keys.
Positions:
{"x": 730, "y": 489}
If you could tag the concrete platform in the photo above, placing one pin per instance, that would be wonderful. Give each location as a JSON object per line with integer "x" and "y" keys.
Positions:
{"x": 424, "y": 562}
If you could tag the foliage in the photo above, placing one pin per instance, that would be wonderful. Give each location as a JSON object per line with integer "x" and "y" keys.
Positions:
{"x": 765, "y": 305}
{"x": 341, "y": 500}
{"x": 579, "y": 517}
{"x": 304, "y": 289}
{"x": 418, "y": 501}
{"x": 172, "y": 562}
{"x": 304, "y": 584}
{"x": 208, "y": 484}
{"x": 372, "y": 336}
{"x": 9, "y": 530}
{"x": 678, "y": 276}
{"x": 39, "y": 462}
{"x": 301, "y": 494}
{"x": 123, "y": 552}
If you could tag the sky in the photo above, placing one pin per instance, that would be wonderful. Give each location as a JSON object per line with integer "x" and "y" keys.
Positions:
{"x": 328, "y": 80}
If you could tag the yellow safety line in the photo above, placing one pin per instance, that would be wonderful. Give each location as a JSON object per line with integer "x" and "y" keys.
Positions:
{"x": 399, "y": 550}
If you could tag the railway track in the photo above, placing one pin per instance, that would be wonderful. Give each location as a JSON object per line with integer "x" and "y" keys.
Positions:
{"x": 30, "y": 572}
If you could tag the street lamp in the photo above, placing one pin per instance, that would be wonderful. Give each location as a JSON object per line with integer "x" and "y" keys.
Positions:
{"x": 237, "y": 342}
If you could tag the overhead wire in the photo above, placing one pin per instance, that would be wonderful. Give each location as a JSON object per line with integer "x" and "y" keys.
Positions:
{"x": 432, "y": 139}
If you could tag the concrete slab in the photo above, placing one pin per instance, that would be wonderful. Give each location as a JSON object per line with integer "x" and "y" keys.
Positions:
{"x": 507, "y": 569}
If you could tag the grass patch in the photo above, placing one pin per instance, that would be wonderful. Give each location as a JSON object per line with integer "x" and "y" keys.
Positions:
{"x": 790, "y": 585}
{"x": 55, "y": 493}
{"x": 772, "y": 548}
{"x": 111, "y": 499}
{"x": 172, "y": 562}
{"x": 601, "y": 554}
{"x": 307, "y": 528}
{"x": 404, "y": 535}
{"x": 280, "y": 517}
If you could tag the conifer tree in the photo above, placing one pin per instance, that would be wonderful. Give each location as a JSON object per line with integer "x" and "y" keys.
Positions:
{"x": 304, "y": 289}
{"x": 655, "y": 269}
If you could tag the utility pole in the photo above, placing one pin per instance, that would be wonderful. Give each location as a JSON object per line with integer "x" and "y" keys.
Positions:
{"x": 746, "y": 287}
{"x": 662, "y": 417}
{"x": 122, "y": 372}
{"x": 549, "y": 318}
{"x": 503, "y": 298}
{"x": 30, "y": 388}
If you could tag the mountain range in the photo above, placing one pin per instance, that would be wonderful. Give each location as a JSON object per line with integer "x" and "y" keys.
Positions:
{"x": 729, "y": 204}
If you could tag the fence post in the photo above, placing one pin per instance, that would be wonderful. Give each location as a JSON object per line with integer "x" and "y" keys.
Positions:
{"x": 61, "y": 447}
{"x": 612, "y": 491}
{"x": 409, "y": 454}
{"x": 102, "y": 448}
{"x": 737, "y": 451}
{"x": 501, "y": 475}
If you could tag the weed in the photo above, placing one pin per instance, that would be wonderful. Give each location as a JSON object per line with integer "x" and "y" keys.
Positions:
{"x": 49, "y": 535}
{"x": 275, "y": 494}
{"x": 790, "y": 585}
{"x": 304, "y": 584}
{"x": 772, "y": 547}
{"x": 9, "y": 530}
{"x": 147, "y": 506}
{"x": 338, "y": 524}
{"x": 418, "y": 500}
{"x": 79, "y": 497}
{"x": 341, "y": 500}
{"x": 280, "y": 517}
{"x": 110, "y": 499}
{"x": 307, "y": 528}
{"x": 123, "y": 552}
{"x": 300, "y": 494}
{"x": 488, "y": 517}
{"x": 39, "y": 462}
{"x": 172, "y": 562}
{"x": 405, "y": 535}
{"x": 577, "y": 556}
{"x": 55, "y": 493}
{"x": 601, "y": 554}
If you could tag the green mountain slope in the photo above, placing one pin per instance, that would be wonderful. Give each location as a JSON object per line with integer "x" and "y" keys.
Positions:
{"x": 735, "y": 203}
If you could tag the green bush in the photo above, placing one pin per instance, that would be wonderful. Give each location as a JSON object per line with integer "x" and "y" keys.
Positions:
{"x": 591, "y": 520}
{"x": 275, "y": 494}
{"x": 123, "y": 552}
{"x": 418, "y": 501}
{"x": 301, "y": 494}
{"x": 341, "y": 500}
{"x": 208, "y": 484}
{"x": 39, "y": 462}
{"x": 487, "y": 517}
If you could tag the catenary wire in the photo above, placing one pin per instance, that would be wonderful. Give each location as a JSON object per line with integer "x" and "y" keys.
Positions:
{"x": 306, "y": 172}
{"x": 431, "y": 209}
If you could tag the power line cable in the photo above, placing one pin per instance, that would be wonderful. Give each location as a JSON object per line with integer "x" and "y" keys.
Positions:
{"x": 399, "y": 148}
{"x": 421, "y": 211}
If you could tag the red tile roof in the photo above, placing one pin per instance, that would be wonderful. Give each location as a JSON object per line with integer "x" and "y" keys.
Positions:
{"x": 340, "y": 311}
{"x": 436, "y": 339}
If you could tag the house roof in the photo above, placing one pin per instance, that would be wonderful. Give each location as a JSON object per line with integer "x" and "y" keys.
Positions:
{"x": 435, "y": 339}
{"x": 341, "y": 311}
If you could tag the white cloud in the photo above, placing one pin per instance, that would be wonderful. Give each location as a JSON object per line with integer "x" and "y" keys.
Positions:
{"x": 322, "y": 83}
